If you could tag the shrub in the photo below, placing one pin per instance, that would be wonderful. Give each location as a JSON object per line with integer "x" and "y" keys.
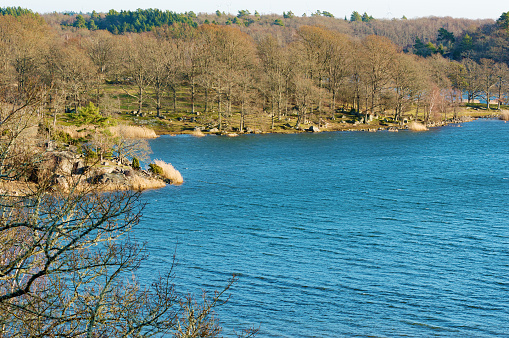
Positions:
{"x": 90, "y": 154}
{"x": 87, "y": 115}
{"x": 155, "y": 169}
{"x": 135, "y": 164}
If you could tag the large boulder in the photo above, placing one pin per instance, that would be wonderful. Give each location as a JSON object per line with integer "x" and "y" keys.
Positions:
{"x": 114, "y": 178}
{"x": 314, "y": 129}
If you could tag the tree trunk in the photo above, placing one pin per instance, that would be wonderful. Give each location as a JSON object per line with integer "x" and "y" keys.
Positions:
{"x": 320, "y": 84}
{"x": 279, "y": 101}
{"x": 174, "y": 89}
{"x": 487, "y": 98}
{"x": 417, "y": 109}
{"x": 229, "y": 102}
{"x": 499, "y": 93}
{"x": 192, "y": 96}
{"x": 241, "y": 127}
{"x": 206, "y": 108}
{"x": 272, "y": 114}
{"x": 54, "y": 117}
{"x": 219, "y": 115}
{"x": 158, "y": 101}
{"x": 333, "y": 104}
{"x": 140, "y": 99}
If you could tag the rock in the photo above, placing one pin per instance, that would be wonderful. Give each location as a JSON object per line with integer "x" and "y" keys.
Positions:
{"x": 125, "y": 161}
{"x": 314, "y": 129}
{"x": 108, "y": 178}
{"x": 79, "y": 167}
{"x": 50, "y": 146}
{"x": 62, "y": 162}
{"x": 214, "y": 130}
{"x": 61, "y": 182}
{"x": 249, "y": 130}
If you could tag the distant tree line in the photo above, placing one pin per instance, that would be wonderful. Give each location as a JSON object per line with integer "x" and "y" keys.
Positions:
{"x": 487, "y": 41}
{"x": 452, "y": 38}
{"x": 222, "y": 71}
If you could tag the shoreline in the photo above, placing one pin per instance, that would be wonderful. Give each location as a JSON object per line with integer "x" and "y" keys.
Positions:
{"x": 310, "y": 128}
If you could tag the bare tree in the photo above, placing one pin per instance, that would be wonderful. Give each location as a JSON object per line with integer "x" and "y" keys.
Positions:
{"x": 136, "y": 66}
{"x": 379, "y": 57}
{"x": 488, "y": 78}
{"x": 276, "y": 70}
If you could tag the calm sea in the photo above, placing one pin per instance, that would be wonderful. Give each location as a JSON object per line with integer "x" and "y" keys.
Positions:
{"x": 341, "y": 234}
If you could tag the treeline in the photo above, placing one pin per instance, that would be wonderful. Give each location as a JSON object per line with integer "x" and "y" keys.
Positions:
{"x": 132, "y": 21}
{"x": 15, "y": 11}
{"x": 487, "y": 41}
{"x": 225, "y": 72}
{"x": 402, "y": 32}
{"x": 452, "y": 38}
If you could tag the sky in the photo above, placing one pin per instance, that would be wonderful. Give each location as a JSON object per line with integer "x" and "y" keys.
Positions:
{"x": 487, "y": 9}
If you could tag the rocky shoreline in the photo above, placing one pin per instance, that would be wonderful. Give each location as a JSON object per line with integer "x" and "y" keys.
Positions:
{"x": 200, "y": 131}
{"x": 66, "y": 170}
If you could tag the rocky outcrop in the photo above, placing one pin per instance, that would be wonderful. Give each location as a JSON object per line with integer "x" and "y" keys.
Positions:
{"x": 65, "y": 169}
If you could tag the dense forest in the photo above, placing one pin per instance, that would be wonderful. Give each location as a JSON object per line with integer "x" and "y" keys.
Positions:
{"x": 221, "y": 65}
{"x": 423, "y": 36}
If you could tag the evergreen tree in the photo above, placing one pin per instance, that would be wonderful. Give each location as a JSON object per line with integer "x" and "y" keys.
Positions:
{"x": 80, "y": 22}
{"x": 355, "y": 16}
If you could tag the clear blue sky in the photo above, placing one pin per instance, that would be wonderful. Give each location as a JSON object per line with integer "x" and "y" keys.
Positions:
{"x": 377, "y": 8}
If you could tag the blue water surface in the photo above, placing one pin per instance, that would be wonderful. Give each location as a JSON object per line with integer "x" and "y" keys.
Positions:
{"x": 343, "y": 233}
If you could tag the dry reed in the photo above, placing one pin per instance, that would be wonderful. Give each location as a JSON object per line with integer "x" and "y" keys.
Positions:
{"x": 169, "y": 172}
{"x": 76, "y": 132}
{"x": 197, "y": 133}
{"x": 504, "y": 115}
{"x": 416, "y": 126}
{"x": 141, "y": 183}
{"x": 132, "y": 131}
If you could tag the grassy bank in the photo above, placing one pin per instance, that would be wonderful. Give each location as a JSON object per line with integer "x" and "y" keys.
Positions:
{"x": 123, "y": 109}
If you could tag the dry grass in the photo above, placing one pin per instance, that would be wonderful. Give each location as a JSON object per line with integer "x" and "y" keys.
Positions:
{"x": 141, "y": 183}
{"x": 132, "y": 131}
{"x": 124, "y": 131}
{"x": 76, "y": 132}
{"x": 416, "y": 126}
{"x": 169, "y": 172}
{"x": 197, "y": 133}
{"x": 504, "y": 115}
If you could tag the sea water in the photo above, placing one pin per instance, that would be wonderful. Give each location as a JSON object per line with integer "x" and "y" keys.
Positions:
{"x": 343, "y": 233}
